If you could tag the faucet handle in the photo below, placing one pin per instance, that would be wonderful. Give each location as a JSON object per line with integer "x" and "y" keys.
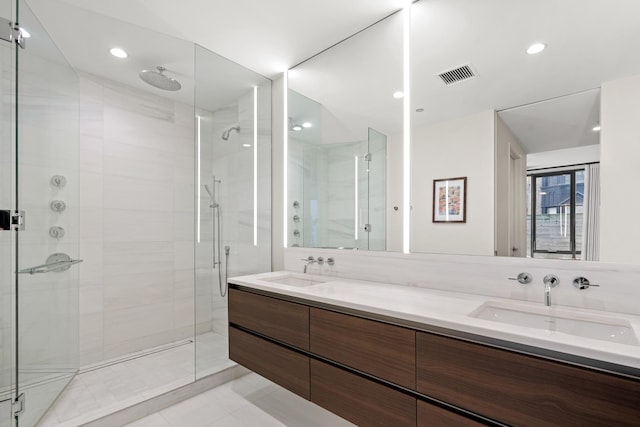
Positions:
{"x": 523, "y": 278}
{"x": 551, "y": 280}
{"x": 582, "y": 283}
{"x": 330, "y": 261}
{"x": 309, "y": 258}
{"x": 320, "y": 260}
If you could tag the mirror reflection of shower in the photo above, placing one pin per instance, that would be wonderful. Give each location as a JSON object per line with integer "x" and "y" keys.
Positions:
{"x": 227, "y": 133}
{"x": 217, "y": 239}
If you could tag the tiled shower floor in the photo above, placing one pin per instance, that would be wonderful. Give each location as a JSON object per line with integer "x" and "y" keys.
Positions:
{"x": 99, "y": 391}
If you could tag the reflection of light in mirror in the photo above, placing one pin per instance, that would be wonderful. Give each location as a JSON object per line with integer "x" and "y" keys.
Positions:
{"x": 255, "y": 165}
{"x": 306, "y": 125}
{"x": 198, "y": 179}
{"x": 596, "y": 128}
{"x": 285, "y": 153}
{"x": 355, "y": 198}
{"x": 536, "y": 48}
{"x": 296, "y": 128}
{"x": 118, "y": 53}
{"x": 406, "y": 127}
{"x": 398, "y": 95}
{"x": 246, "y": 145}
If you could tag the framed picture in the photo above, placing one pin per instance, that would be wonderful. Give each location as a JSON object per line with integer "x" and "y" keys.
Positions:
{"x": 450, "y": 200}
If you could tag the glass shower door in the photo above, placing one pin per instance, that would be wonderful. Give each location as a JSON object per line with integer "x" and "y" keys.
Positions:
{"x": 6, "y": 237}
{"x": 47, "y": 190}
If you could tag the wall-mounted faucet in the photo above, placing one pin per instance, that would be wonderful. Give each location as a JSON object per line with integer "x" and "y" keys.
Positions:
{"x": 550, "y": 281}
{"x": 308, "y": 261}
{"x": 320, "y": 261}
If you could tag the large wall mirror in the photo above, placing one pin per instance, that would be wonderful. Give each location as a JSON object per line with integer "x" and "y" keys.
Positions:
{"x": 547, "y": 141}
{"x": 344, "y": 127}
{"x": 512, "y": 153}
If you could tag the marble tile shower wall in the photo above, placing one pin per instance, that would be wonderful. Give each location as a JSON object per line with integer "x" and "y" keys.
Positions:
{"x": 232, "y": 163}
{"x": 136, "y": 222}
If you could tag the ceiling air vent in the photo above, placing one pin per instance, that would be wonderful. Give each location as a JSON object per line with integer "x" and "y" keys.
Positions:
{"x": 456, "y": 75}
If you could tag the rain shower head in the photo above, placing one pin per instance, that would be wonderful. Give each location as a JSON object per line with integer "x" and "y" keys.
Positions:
{"x": 226, "y": 133}
{"x": 159, "y": 80}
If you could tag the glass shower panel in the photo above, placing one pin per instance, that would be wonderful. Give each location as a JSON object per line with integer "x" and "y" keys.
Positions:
{"x": 7, "y": 185}
{"x": 47, "y": 173}
{"x": 377, "y": 195}
{"x": 233, "y": 193}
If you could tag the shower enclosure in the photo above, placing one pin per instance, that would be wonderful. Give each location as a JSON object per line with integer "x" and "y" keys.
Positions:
{"x": 111, "y": 171}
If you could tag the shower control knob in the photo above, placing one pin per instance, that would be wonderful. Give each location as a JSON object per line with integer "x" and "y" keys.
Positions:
{"x": 296, "y": 204}
{"x": 330, "y": 261}
{"x": 296, "y": 218}
{"x": 58, "y": 206}
{"x": 58, "y": 181}
{"x": 56, "y": 232}
{"x": 296, "y": 233}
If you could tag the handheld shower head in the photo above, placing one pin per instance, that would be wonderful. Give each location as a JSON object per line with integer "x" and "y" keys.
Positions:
{"x": 226, "y": 133}
{"x": 213, "y": 204}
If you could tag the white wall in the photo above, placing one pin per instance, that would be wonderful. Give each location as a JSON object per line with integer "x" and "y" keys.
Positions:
{"x": 457, "y": 148}
{"x": 566, "y": 156}
{"x": 619, "y": 171}
{"x": 510, "y": 193}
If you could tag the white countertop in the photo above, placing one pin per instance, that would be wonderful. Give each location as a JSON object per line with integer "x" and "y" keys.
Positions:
{"x": 451, "y": 310}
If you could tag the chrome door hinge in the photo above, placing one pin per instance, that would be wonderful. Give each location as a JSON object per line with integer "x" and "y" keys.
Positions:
{"x": 11, "y": 32}
{"x": 18, "y": 405}
{"x": 11, "y": 220}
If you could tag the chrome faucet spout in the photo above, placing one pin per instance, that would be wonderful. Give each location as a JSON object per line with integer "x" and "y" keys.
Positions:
{"x": 550, "y": 281}
{"x": 307, "y": 261}
{"x": 547, "y": 295}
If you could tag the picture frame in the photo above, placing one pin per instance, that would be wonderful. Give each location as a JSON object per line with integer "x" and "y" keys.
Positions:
{"x": 450, "y": 200}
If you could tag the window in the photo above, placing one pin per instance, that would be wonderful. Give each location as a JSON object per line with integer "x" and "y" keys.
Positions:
{"x": 555, "y": 214}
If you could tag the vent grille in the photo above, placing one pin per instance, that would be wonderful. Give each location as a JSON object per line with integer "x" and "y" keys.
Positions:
{"x": 456, "y": 75}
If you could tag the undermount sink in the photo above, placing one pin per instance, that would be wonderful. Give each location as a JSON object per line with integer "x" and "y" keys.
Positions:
{"x": 295, "y": 280}
{"x": 555, "y": 320}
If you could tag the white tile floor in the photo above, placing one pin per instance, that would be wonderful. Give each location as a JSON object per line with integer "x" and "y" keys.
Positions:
{"x": 250, "y": 401}
{"x": 97, "y": 392}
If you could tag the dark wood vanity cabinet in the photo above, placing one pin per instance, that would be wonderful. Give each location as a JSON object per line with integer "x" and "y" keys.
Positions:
{"x": 281, "y": 320}
{"x": 384, "y": 351}
{"x": 374, "y": 373}
{"x": 523, "y": 390}
{"x": 274, "y": 362}
{"x": 360, "y": 400}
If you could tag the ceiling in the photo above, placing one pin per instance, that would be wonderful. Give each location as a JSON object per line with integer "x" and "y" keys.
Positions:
{"x": 265, "y": 36}
{"x": 589, "y": 42}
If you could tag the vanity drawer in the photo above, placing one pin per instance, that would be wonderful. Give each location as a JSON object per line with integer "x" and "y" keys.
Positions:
{"x": 522, "y": 390}
{"x": 277, "y": 363}
{"x": 385, "y": 351}
{"x": 282, "y": 320}
{"x": 358, "y": 399}
{"x": 431, "y": 415}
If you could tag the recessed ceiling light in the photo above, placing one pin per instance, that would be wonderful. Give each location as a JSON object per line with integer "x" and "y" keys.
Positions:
{"x": 398, "y": 95}
{"x": 25, "y": 33}
{"x": 296, "y": 127}
{"x": 596, "y": 128}
{"x": 306, "y": 125}
{"x": 246, "y": 145}
{"x": 118, "y": 53}
{"x": 536, "y": 48}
